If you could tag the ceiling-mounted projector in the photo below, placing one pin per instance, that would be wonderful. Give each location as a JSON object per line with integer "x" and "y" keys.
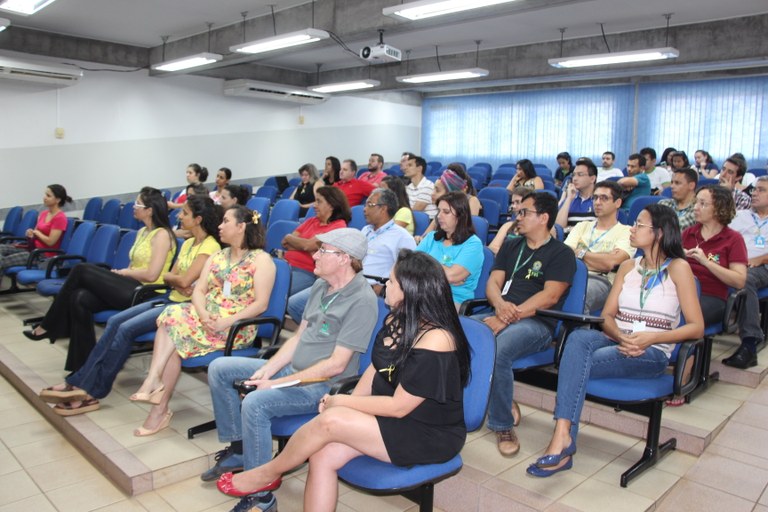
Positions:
{"x": 381, "y": 53}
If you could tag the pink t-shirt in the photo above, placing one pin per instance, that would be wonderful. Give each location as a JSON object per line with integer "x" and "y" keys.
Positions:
{"x": 45, "y": 226}
{"x": 307, "y": 230}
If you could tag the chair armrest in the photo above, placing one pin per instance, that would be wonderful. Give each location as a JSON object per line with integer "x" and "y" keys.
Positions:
{"x": 687, "y": 349}
{"x": 732, "y": 307}
{"x": 378, "y": 279}
{"x": 345, "y": 385}
{"x": 570, "y": 321}
{"x": 56, "y": 262}
{"x": 240, "y": 324}
{"x": 37, "y": 254}
{"x": 9, "y": 239}
{"x": 145, "y": 292}
{"x": 469, "y": 305}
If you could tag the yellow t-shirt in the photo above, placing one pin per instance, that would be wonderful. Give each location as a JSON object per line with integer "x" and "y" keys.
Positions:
{"x": 405, "y": 215}
{"x": 187, "y": 254}
{"x": 141, "y": 253}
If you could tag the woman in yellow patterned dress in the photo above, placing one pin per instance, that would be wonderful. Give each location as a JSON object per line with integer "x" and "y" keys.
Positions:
{"x": 235, "y": 284}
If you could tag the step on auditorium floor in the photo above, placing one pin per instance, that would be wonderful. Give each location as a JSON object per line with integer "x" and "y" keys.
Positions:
{"x": 93, "y": 462}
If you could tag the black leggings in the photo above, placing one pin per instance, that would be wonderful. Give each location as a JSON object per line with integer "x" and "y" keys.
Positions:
{"x": 87, "y": 290}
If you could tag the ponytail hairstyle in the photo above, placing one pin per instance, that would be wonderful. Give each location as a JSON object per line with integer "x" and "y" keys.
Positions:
{"x": 204, "y": 207}
{"x": 60, "y": 193}
{"x": 238, "y": 193}
{"x": 200, "y": 172}
{"x": 255, "y": 237}
{"x": 154, "y": 198}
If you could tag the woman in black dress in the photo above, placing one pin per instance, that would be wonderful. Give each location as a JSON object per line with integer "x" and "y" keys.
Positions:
{"x": 408, "y": 406}
{"x": 305, "y": 192}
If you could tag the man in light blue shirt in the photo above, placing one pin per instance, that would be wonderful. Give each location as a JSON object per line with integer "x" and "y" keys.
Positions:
{"x": 385, "y": 240}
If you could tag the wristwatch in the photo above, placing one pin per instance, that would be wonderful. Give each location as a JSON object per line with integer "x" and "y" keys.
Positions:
{"x": 581, "y": 254}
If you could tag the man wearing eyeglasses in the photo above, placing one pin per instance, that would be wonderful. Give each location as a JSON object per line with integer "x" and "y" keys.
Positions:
{"x": 752, "y": 224}
{"x": 356, "y": 190}
{"x": 530, "y": 272}
{"x": 576, "y": 204}
{"x": 385, "y": 240}
{"x": 602, "y": 244}
{"x": 335, "y": 329}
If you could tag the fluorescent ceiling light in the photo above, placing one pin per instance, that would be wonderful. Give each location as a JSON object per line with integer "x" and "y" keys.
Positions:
{"x": 430, "y": 8}
{"x": 615, "y": 58}
{"x": 24, "y": 7}
{"x": 345, "y": 86}
{"x": 308, "y": 35}
{"x": 4, "y": 24}
{"x": 192, "y": 61}
{"x": 441, "y": 76}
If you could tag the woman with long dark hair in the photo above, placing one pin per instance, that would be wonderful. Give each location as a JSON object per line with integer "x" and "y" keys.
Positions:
{"x": 232, "y": 195}
{"x": 330, "y": 173}
{"x": 223, "y": 176}
{"x": 235, "y": 284}
{"x": 407, "y": 407}
{"x": 195, "y": 175}
{"x": 82, "y": 389}
{"x": 332, "y": 212}
{"x": 564, "y": 167}
{"x": 526, "y": 177}
{"x": 455, "y": 245}
{"x": 404, "y": 216}
{"x": 90, "y": 288}
{"x": 51, "y": 225}
{"x": 642, "y": 323}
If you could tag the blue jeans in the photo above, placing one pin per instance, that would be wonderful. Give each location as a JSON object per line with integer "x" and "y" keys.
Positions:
{"x": 251, "y": 420}
{"x": 528, "y": 336}
{"x": 296, "y": 304}
{"x": 301, "y": 280}
{"x": 109, "y": 354}
{"x": 591, "y": 354}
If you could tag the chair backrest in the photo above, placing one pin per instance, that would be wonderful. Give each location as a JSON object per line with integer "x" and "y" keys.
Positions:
{"x": 481, "y": 228}
{"x": 638, "y": 205}
{"x": 110, "y": 212}
{"x": 260, "y": 204}
{"x": 81, "y": 238}
{"x": 420, "y": 221}
{"x": 287, "y": 193}
{"x": 310, "y": 213}
{"x": 703, "y": 182}
{"x": 277, "y": 231}
{"x": 667, "y": 192}
{"x": 271, "y": 182}
{"x": 92, "y": 208}
{"x": 103, "y": 245}
{"x": 284, "y": 209}
{"x": 268, "y": 192}
{"x": 66, "y": 236}
{"x": 365, "y": 357}
{"x": 358, "y": 217}
{"x": 28, "y": 221}
{"x": 498, "y": 194}
{"x": 560, "y": 232}
{"x": 278, "y": 299}
{"x": 482, "y": 345}
{"x": 126, "y": 219}
{"x": 485, "y": 273}
{"x": 122, "y": 254}
{"x": 12, "y": 219}
{"x": 491, "y": 212}
{"x": 294, "y": 182}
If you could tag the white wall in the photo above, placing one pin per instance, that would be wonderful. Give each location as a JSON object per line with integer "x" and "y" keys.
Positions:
{"x": 127, "y": 130}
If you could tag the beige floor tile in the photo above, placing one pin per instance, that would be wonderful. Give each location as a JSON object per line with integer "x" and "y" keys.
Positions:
{"x": 551, "y": 489}
{"x": 728, "y": 390}
{"x": 760, "y": 508}
{"x": 595, "y": 496}
{"x": 369, "y": 503}
{"x": 122, "y": 506}
{"x": 745, "y": 438}
{"x": 123, "y": 434}
{"x": 8, "y": 462}
{"x": 193, "y": 495}
{"x": 714, "y": 403}
{"x": 153, "y": 502}
{"x": 482, "y": 455}
{"x": 589, "y": 461}
{"x": 43, "y": 452}
{"x": 689, "y": 496}
{"x": 28, "y": 433}
{"x": 753, "y": 414}
{"x": 86, "y": 495}
{"x": 696, "y": 416}
{"x": 729, "y": 475}
{"x": 166, "y": 452}
{"x": 62, "y": 472}
{"x": 124, "y": 414}
{"x": 652, "y": 483}
{"x": 675, "y": 462}
{"x": 38, "y": 503}
{"x": 290, "y": 496}
{"x": 20, "y": 416}
{"x": 592, "y": 436}
{"x": 16, "y": 486}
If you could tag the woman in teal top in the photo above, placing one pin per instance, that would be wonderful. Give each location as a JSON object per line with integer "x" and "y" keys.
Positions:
{"x": 455, "y": 246}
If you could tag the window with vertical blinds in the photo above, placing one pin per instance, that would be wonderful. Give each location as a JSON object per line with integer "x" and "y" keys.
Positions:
{"x": 720, "y": 116}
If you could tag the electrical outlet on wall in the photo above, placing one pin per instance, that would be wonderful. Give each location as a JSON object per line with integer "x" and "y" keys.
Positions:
{"x": 58, "y": 133}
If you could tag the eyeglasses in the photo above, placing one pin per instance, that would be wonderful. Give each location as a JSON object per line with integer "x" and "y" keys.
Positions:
{"x": 371, "y": 205}
{"x": 602, "y": 197}
{"x": 522, "y": 212}
{"x": 137, "y": 206}
{"x": 641, "y": 225}
{"x": 580, "y": 174}
{"x": 323, "y": 250}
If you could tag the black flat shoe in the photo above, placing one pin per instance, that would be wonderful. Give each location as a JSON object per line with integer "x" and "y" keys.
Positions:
{"x": 37, "y": 337}
{"x": 742, "y": 359}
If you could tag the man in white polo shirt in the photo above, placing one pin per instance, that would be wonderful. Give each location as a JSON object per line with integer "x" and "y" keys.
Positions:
{"x": 420, "y": 188}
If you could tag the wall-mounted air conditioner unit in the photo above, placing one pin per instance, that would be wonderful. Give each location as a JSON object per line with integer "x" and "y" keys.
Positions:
{"x": 270, "y": 91}
{"x": 57, "y": 76}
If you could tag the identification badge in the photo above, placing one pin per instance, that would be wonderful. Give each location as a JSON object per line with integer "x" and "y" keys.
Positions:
{"x": 638, "y": 326}
{"x": 506, "y": 288}
{"x": 324, "y": 328}
{"x": 227, "y": 289}
{"x": 760, "y": 242}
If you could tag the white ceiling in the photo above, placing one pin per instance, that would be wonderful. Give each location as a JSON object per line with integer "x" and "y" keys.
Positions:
{"x": 143, "y": 22}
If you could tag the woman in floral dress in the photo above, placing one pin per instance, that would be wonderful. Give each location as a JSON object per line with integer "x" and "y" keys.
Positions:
{"x": 235, "y": 284}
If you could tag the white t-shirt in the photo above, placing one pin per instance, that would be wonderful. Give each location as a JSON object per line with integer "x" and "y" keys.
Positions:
{"x": 658, "y": 176}
{"x": 422, "y": 193}
{"x": 604, "y": 174}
